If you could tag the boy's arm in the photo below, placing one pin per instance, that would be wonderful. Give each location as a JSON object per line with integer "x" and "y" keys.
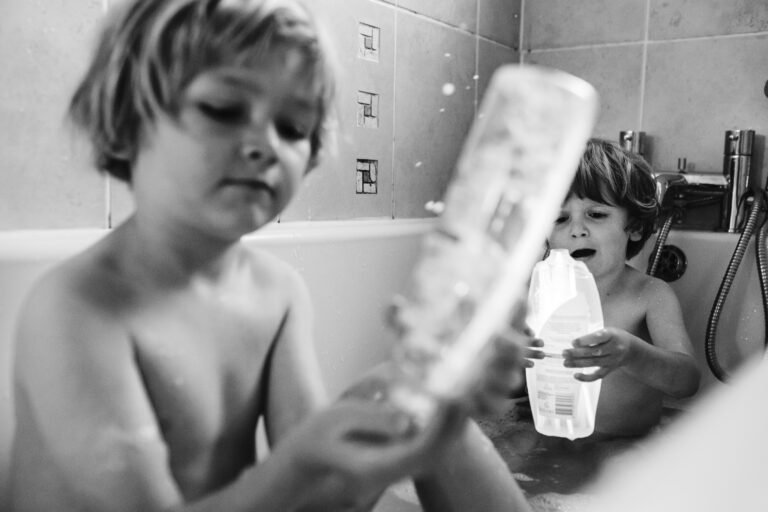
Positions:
{"x": 295, "y": 387}
{"x": 471, "y": 476}
{"x": 460, "y": 471}
{"x": 666, "y": 364}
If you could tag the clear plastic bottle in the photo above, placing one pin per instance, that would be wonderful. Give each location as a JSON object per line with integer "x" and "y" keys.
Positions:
{"x": 563, "y": 304}
{"x": 512, "y": 176}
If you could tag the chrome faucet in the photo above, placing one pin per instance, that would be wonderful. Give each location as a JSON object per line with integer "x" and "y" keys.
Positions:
{"x": 633, "y": 141}
{"x": 737, "y": 164}
{"x": 665, "y": 181}
{"x": 683, "y": 190}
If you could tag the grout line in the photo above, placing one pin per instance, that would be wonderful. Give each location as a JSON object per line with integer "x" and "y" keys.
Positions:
{"x": 394, "y": 111}
{"x": 644, "y": 66}
{"x": 585, "y": 47}
{"x": 107, "y": 201}
{"x": 521, "y": 35}
{"x": 477, "y": 55}
{"x": 107, "y": 177}
{"x": 649, "y": 42}
{"x": 705, "y": 38}
{"x": 448, "y": 25}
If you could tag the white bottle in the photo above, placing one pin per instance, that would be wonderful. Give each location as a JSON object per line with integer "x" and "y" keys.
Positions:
{"x": 511, "y": 178}
{"x": 563, "y": 304}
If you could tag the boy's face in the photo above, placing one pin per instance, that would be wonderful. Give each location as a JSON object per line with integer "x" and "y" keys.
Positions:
{"x": 594, "y": 233}
{"x": 236, "y": 153}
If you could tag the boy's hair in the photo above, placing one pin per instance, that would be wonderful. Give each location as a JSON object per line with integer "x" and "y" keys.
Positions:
{"x": 611, "y": 175}
{"x": 150, "y": 50}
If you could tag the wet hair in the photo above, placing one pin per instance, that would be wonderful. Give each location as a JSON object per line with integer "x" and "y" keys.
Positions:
{"x": 151, "y": 50}
{"x": 611, "y": 175}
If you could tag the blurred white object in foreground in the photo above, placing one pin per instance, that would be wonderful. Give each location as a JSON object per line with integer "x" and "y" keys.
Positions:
{"x": 715, "y": 458}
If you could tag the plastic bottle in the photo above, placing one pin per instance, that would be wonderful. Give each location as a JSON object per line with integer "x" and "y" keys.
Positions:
{"x": 563, "y": 304}
{"x": 512, "y": 176}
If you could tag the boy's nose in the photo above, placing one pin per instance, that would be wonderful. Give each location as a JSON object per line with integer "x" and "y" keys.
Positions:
{"x": 578, "y": 230}
{"x": 259, "y": 144}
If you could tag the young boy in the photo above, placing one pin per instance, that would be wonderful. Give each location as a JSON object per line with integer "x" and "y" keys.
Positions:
{"x": 644, "y": 353}
{"x": 144, "y": 363}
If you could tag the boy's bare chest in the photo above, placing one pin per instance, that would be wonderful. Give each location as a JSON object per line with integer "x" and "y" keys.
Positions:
{"x": 201, "y": 361}
{"x": 625, "y": 312}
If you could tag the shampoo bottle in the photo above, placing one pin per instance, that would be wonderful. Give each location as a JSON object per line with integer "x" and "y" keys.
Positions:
{"x": 563, "y": 304}
{"x": 512, "y": 175}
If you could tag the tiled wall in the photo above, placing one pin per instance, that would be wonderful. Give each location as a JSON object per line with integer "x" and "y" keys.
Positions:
{"x": 683, "y": 71}
{"x": 46, "y": 181}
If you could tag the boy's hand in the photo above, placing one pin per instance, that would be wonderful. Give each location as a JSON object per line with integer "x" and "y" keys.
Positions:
{"x": 606, "y": 349}
{"x": 512, "y": 352}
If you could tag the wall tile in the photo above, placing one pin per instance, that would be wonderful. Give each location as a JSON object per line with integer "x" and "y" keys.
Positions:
{"x": 489, "y": 57}
{"x": 330, "y": 190}
{"x": 47, "y": 180}
{"x": 672, "y": 19}
{"x": 41, "y": 191}
{"x": 434, "y": 109}
{"x": 615, "y": 71}
{"x": 696, "y": 90}
{"x": 459, "y": 13}
{"x": 564, "y": 23}
{"x": 499, "y": 20}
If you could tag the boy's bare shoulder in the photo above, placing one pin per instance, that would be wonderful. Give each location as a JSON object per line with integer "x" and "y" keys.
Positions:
{"x": 69, "y": 312}
{"x": 645, "y": 287}
{"x": 271, "y": 271}
{"x": 71, "y": 283}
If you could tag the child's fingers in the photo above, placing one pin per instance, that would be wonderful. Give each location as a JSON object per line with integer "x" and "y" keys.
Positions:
{"x": 595, "y": 338}
{"x": 591, "y": 377}
{"x": 371, "y": 422}
{"x": 593, "y": 352}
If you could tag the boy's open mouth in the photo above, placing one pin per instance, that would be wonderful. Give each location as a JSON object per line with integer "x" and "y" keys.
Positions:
{"x": 582, "y": 253}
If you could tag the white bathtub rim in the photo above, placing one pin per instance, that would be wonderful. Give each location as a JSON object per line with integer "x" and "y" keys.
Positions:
{"x": 51, "y": 244}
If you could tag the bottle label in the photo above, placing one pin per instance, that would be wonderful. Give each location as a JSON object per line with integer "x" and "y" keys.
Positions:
{"x": 557, "y": 391}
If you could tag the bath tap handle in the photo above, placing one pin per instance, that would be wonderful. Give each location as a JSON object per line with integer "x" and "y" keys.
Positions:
{"x": 739, "y": 142}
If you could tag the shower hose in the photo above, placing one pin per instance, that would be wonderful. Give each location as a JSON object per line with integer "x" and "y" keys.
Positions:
{"x": 757, "y": 206}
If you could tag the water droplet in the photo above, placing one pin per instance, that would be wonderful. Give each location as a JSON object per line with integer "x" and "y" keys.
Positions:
{"x": 476, "y": 77}
{"x": 418, "y": 164}
{"x": 448, "y": 89}
{"x": 447, "y": 55}
{"x": 442, "y": 110}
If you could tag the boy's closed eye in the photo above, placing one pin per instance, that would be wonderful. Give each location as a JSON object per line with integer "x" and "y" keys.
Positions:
{"x": 225, "y": 113}
{"x": 598, "y": 214}
{"x": 289, "y": 129}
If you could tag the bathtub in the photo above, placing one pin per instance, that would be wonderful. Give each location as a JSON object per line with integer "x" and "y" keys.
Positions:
{"x": 741, "y": 328}
{"x": 352, "y": 270}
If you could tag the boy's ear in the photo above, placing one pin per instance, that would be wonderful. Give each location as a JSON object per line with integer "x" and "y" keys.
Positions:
{"x": 635, "y": 235}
